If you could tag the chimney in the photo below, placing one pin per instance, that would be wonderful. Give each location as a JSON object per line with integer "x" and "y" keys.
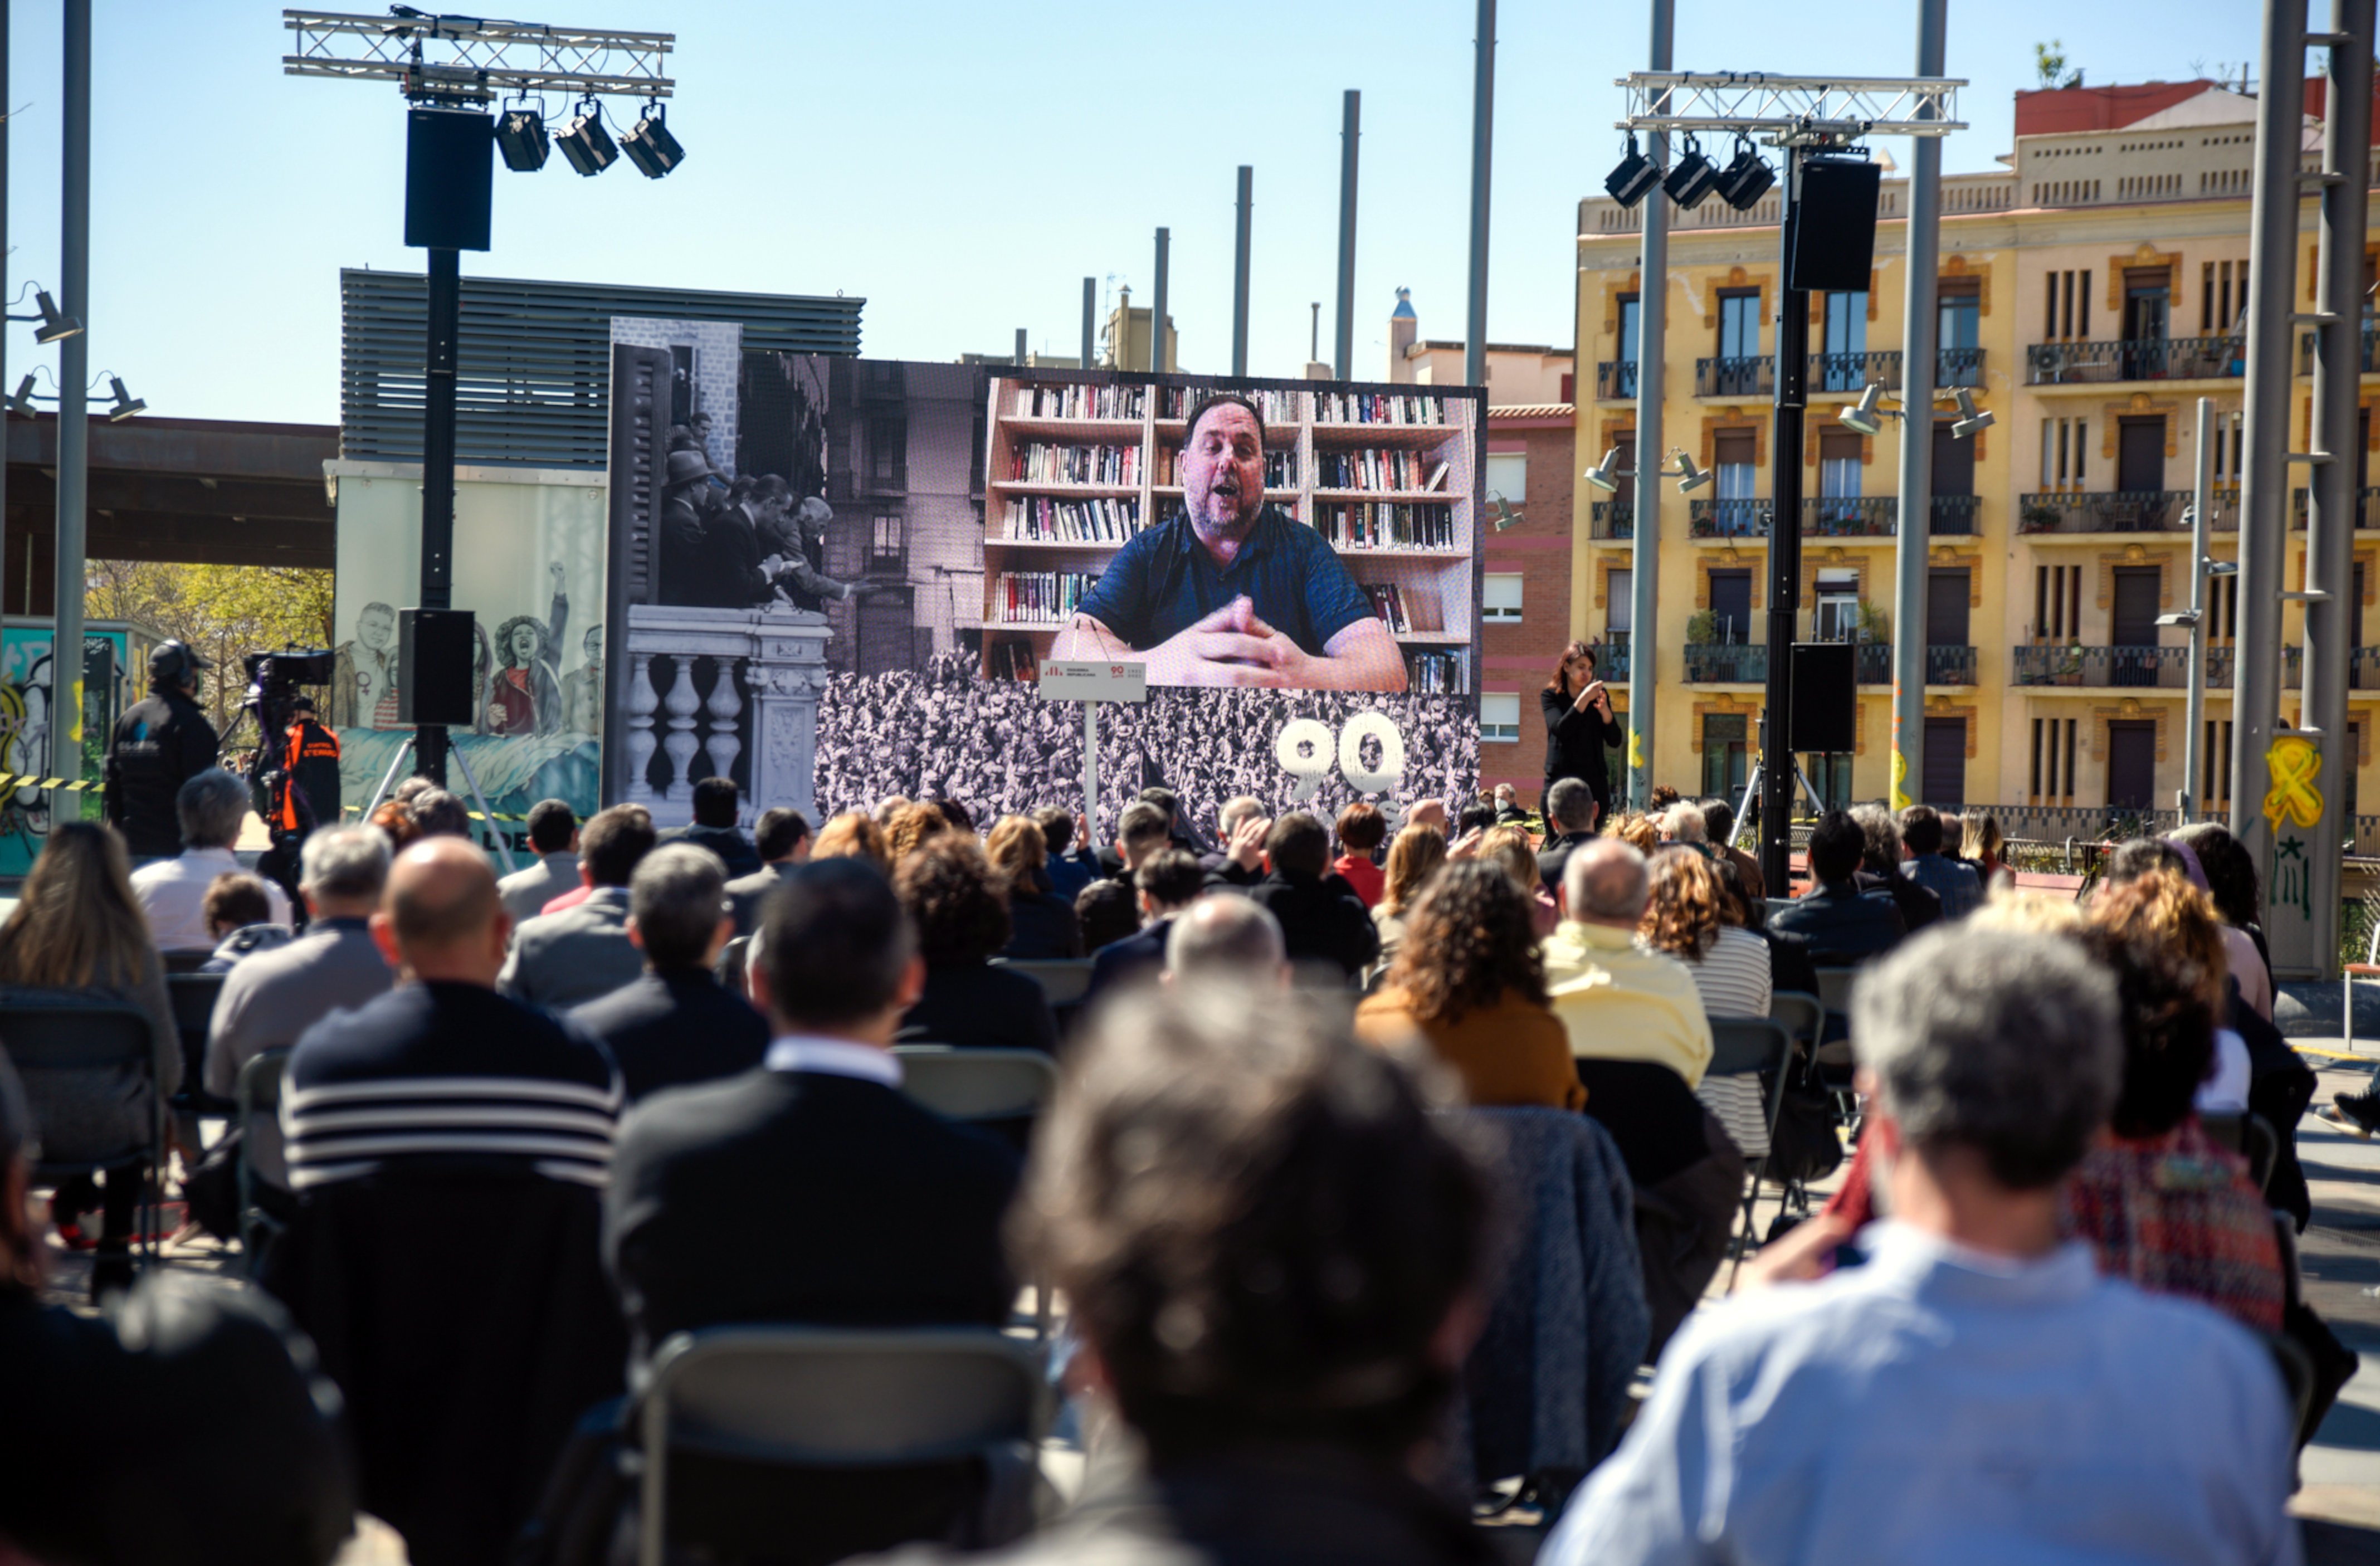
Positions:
{"x": 1403, "y": 327}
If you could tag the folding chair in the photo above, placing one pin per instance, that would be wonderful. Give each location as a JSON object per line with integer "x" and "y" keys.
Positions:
{"x": 1742, "y": 1047}
{"x": 732, "y": 958}
{"x": 194, "y": 996}
{"x": 259, "y": 1105}
{"x": 1803, "y": 1016}
{"x": 2251, "y": 1136}
{"x": 55, "y": 1041}
{"x": 1064, "y": 980}
{"x": 842, "y": 1402}
{"x": 978, "y": 1085}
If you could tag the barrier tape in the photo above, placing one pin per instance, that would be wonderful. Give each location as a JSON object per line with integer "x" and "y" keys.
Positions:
{"x": 13, "y": 780}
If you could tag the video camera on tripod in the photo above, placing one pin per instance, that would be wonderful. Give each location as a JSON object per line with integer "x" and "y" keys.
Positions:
{"x": 273, "y": 681}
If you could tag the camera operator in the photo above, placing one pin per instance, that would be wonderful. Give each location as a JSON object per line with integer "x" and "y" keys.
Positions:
{"x": 310, "y": 771}
{"x": 160, "y": 743}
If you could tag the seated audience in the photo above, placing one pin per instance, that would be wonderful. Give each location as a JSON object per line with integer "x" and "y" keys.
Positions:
{"x": 854, "y": 836}
{"x": 955, "y": 812}
{"x": 173, "y": 893}
{"x": 1983, "y": 849}
{"x": 190, "y": 1389}
{"x": 781, "y": 837}
{"x": 677, "y": 1024}
{"x": 565, "y": 959}
{"x": 1069, "y": 872}
{"x": 1414, "y": 857}
{"x": 1470, "y": 981}
{"x": 1881, "y": 869}
{"x": 738, "y": 1166}
{"x": 1141, "y": 830}
{"x": 2226, "y": 873}
{"x": 1641, "y": 1042}
{"x": 1476, "y": 817}
{"x": 718, "y": 805}
{"x": 1976, "y": 1390}
{"x": 1638, "y": 832}
{"x": 1836, "y": 923}
{"x": 2161, "y": 906}
{"x": 1719, "y": 824}
{"x": 1508, "y": 807}
{"x": 953, "y": 899}
{"x": 1286, "y": 1393}
{"x": 1788, "y": 959}
{"x": 1169, "y": 881}
{"x": 437, "y": 813}
{"x": 76, "y": 928}
{"x": 1231, "y": 939}
{"x": 1041, "y": 924}
{"x": 1108, "y": 911}
{"x": 1569, "y": 820}
{"x": 1682, "y": 823}
{"x": 1662, "y": 797}
{"x": 239, "y": 915}
{"x": 394, "y": 819}
{"x": 268, "y": 1002}
{"x": 1321, "y": 919}
{"x": 1509, "y": 847}
{"x": 1957, "y": 885}
{"x": 1361, "y": 831}
{"x": 910, "y": 827}
{"x": 1686, "y": 919}
{"x": 553, "y": 837}
{"x": 1239, "y": 861}
{"x": 887, "y": 809}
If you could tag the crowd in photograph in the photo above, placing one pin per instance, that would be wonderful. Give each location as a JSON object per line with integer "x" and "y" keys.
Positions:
{"x": 1385, "y": 1148}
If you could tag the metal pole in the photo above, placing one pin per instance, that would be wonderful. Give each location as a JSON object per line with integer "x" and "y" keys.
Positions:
{"x": 438, "y": 472}
{"x": 2330, "y": 536}
{"x": 74, "y": 430}
{"x": 1239, "y": 276}
{"x": 1483, "y": 116}
{"x": 2264, "y": 478}
{"x": 1776, "y": 762}
{"x": 1156, "y": 308}
{"x": 1313, "y": 346}
{"x": 1090, "y": 310}
{"x": 1091, "y": 774}
{"x": 1645, "y": 551}
{"x": 1919, "y": 333}
{"x": 1349, "y": 119}
{"x": 2194, "y": 707}
{"x": 4, "y": 293}
{"x": 1019, "y": 355}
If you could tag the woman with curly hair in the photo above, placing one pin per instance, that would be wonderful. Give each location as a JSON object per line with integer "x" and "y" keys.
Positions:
{"x": 910, "y": 827}
{"x": 853, "y": 835}
{"x": 953, "y": 894}
{"x": 1468, "y": 978}
{"x": 525, "y": 698}
{"x": 1414, "y": 857}
{"x": 1687, "y": 917}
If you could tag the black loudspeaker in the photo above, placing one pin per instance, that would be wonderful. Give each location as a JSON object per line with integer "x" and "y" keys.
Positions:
{"x": 1830, "y": 234}
{"x": 1826, "y": 696}
{"x": 450, "y": 171}
{"x": 433, "y": 667}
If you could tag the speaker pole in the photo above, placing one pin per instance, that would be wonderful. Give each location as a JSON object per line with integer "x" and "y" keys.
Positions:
{"x": 1784, "y": 550}
{"x": 1920, "y": 333}
{"x": 1644, "y": 550}
{"x": 73, "y": 427}
{"x": 438, "y": 473}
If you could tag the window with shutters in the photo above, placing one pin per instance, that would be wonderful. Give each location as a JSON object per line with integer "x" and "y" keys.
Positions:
{"x": 1499, "y": 717}
{"x": 1500, "y": 597}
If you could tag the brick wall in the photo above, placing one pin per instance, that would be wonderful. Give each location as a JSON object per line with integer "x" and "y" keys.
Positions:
{"x": 1516, "y": 658}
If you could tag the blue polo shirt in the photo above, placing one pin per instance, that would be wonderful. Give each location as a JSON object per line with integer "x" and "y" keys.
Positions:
{"x": 1163, "y": 581}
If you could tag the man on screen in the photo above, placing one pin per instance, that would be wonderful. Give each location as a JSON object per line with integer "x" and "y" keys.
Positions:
{"x": 1229, "y": 591}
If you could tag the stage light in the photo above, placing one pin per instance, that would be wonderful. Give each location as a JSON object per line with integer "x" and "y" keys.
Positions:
{"x": 521, "y": 138}
{"x": 23, "y": 401}
{"x": 1604, "y": 475}
{"x": 1867, "y": 417}
{"x": 1970, "y": 417}
{"x": 586, "y": 143}
{"x": 1746, "y": 179}
{"x": 126, "y": 405}
{"x": 54, "y": 327}
{"x": 1689, "y": 476}
{"x": 1692, "y": 177}
{"x": 650, "y": 146}
{"x": 1634, "y": 177}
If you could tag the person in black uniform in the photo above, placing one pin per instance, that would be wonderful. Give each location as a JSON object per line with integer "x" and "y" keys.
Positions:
{"x": 1579, "y": 725}
{"x": 162, "y": 742}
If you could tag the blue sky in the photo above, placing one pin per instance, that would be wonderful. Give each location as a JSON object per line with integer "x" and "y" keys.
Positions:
{"x": 962, "y": 166}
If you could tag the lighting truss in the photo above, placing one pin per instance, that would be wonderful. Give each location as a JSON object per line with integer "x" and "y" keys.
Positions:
{"x": 1791, "y": 110}
{"x": 469, "y": 60}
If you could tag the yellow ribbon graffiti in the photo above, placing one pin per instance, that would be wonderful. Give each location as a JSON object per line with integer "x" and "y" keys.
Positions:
{"x": 2294, "y": 763}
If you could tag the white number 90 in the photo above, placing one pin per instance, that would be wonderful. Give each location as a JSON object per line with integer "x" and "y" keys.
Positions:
{"x": 1305, "y": 752}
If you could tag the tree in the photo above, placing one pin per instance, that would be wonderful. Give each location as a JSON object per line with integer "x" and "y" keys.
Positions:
{"x": 2050, "y": 65}
{"x": 222, "y": 612}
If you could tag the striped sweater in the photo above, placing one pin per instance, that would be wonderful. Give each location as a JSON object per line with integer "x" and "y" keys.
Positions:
{"x": 440, "y": 1070}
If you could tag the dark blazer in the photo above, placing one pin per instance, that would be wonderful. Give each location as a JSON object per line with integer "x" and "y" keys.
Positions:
{"x": 746, "y": 894}
{"x": 1320, "y": 919}
{"x": 797, "y": 1197}
{"x": 1841, "y": 925}
{"x": 1789, "y": 967}
{"x": 1121, "y": 962}
{"x": 1043, "y": 926}
{"x": 1223, "y": 871}
{"x": 732, "y": 847}
{"x": 1918, "y": 905}
{"x": 669, "y": 1029}
{"x": 1554, "y": 854}
{"x": 1575, "y": 741}
{"x": 980, "y": 1006}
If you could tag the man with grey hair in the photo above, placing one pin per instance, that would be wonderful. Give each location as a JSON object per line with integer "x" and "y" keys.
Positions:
{"x": 1977, "y": 1389}
{"x": 1571, "y": 810}
{"x": 1684, "y": 823}
{"x": 1879, "y": 868}
{"x": 1228, "y": 937}
{"x": 678, "y": 1024}
{"x": 1240, "y": 860}
{"x": 173, "y": 893}
{"x": 268, "y": 1000}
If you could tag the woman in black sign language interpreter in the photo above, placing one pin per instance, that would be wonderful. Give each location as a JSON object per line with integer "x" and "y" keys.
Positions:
{"x": 1579, "y": 725}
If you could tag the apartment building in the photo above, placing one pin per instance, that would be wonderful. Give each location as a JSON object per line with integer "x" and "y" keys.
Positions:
{"x": 2089, "y": 294}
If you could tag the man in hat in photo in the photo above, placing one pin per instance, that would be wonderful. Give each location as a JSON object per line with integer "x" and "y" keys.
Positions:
{"x": 686, "y": 485}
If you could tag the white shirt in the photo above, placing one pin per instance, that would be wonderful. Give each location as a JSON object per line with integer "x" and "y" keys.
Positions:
{"x": 2225, "y": 1091}
{"x": 835, "y": 1057}
{"x": 173, "y": 895}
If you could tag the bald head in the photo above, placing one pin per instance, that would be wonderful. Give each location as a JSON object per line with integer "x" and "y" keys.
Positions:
{"x": 1605, "y": 882}
{"x": 1226, "y": 936}
{"x": 441, "y": 918}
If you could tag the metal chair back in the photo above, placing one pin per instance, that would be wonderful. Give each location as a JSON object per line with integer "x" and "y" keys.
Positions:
{"x": 801, "y": 1396}
{"x": 1803, "y": 1014}
{"x": 194, "y": 996}
{"x": 1741, "y": 1046}
{"x": 260, "y": 1104}
{"x": 53, "y": 1038}
{"x": 732, "y": 959}
{"x": 1835, "y": 987}
{"x": 1064, "y": 980}
{"x": 972, "y": 1085}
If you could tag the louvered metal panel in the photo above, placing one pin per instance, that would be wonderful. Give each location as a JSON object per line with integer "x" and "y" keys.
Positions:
{"x": 535, "y": 359}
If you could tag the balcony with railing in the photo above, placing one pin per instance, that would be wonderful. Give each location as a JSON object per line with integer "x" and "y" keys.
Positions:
{"x": 1746, "y": 519}
{"x": 1611, "y": 519}
{"x": 2122, "y": 668}
{"x": 1727, "y": 663}
{"x": 2371, "y": 354}
{"x": 1611, "y": 656}
{"x": 1945, "y": 665}
{"x": 1850, "y": 517}
{"x": 2135, "y": 359}
{"x": 1958, "y": 367}
{"x": 2363, "y": 668}
{"x": 2104, "y": 511}
{"x": 2367, "y": 515}
{"x": 1749, "y": 376}
{"x": 1954, "y": 515}
{"x": 1852, "y": 372}
{"x": 1615, "y": 380}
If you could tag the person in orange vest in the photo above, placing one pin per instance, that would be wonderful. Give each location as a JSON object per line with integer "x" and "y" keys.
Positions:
{"x": 309, "y": 767}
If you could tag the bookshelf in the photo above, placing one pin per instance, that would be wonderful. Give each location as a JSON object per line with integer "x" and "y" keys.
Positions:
{"x": 1394, "y": 531}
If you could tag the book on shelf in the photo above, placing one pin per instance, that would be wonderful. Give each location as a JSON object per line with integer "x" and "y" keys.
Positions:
{"x": 1038, "y": 598}
{"x": 1374, "y": 470}
{"x": 1376, "y": 407}
{"x": 1038, "y": 462}
{"x": 1081, "y": 402}
{"x": 1388, "y": 604}
{"x": 1385, "y": 524}
{"x": 1013, "y": 661}
{"x": 1109, "y": 519}
{"x": 1434, "y": 672}
{"x": 1278, "y": 407}
{"x": 1436, "y": 477}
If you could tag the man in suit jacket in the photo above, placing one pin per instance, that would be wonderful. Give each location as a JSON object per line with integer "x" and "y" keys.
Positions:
{"x": 716, "y": 805}
{"x": 678, "y": 1024}
{"x": 1569, "y": 820}
{"x": 553, "y": 833}
{"x": 1321, "y": 919}
{"x": 840, "y": 1200}
{"x": 561, "y": 960}
{"x": 783, "y": 836}
{"x": 1169, "y": 882}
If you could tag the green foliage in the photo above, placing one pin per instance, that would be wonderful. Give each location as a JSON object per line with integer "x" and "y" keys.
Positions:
{"x": 222, "y": 611}
{"x": 2050, "y": 65}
